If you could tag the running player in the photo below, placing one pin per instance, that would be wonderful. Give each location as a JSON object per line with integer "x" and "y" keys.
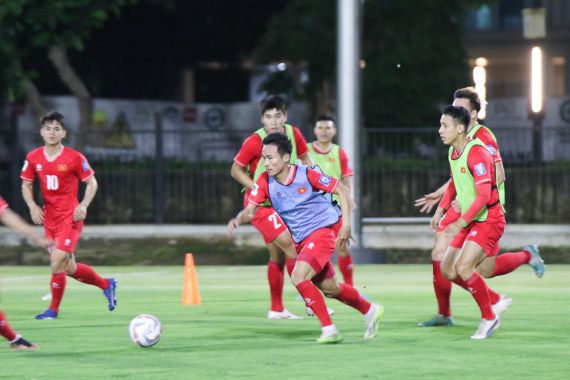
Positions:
{"x": 12, "y": 220}
{"x": 296, "y": 193}
{"x": 482, "y": 222}
{"x": 333, "y": 161}
{"x": 246, "y": 169}
{"x": 59, "y": 170}
{"x": 495, "y": 266}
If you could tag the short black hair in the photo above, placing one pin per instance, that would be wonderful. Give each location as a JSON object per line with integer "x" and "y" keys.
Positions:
{"x": 280, "y": 140}
{"x": 325, "y": 118}
{"x": 52, "y": 116}
{"x": 470, "y": 94}
{"x": 273, "y": 101}
{"x": 459, "y": 114}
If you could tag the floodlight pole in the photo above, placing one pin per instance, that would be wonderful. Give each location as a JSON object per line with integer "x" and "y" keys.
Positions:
{"x": 348, "y": 95}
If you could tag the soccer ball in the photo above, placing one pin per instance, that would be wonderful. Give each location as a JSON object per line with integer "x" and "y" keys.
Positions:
{"x": 145, "y": 330}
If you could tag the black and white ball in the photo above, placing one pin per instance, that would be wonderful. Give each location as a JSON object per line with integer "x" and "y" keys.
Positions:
{"x": 145, "y": 330}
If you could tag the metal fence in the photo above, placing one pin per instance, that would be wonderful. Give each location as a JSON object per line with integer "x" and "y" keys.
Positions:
{"x": 182, "y": 176}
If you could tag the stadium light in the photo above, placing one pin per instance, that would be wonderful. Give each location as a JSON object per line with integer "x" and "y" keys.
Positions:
{"x": 536, "y": 89}
{"x": 480, "y": 79}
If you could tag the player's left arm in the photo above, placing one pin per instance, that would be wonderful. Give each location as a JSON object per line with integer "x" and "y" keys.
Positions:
{"x": 80, "y": 212}
{"x": 345, "y": 231}
{"x": 302, "y": 148}
{"x": 501, "y": 176}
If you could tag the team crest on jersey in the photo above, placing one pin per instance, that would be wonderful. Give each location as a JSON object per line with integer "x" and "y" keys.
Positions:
{"x": 491, "y": 149}
{"x": 62, "y": 168}
{"x": 325, "y": 180}
{"x": 39, "y": 167}
{"x": 463, "y": 171}
{"x": 480, "y": 169}
{"x": 25, "y": 165}
{"x": 302, "y": 190}
{"x": 85, "y": 166}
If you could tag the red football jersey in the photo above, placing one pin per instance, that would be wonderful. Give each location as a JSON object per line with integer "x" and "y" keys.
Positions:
{"x": 490, "y": 143}
{"x": 59, "y": 179}
{"x": 3, "y": 205}
{"x": 250, "y": 153}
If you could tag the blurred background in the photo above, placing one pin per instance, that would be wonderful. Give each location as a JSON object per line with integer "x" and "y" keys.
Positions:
{"x": 159, "y": 95}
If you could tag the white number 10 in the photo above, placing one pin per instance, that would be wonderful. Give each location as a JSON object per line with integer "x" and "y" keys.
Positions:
{"x": 52, "y": 182}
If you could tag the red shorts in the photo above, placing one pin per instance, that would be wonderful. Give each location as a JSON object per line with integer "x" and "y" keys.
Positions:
{"x": 65, "y": 235}
{"x": 450, "y": 216}
{"x": 268, "y": 223}
{"x": 486, "y": 234}
{"x": 317, "y": 250}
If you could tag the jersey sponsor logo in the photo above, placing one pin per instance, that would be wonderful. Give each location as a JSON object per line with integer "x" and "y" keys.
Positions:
{"x": 39, "y": 167}
{"x": 311, "y": 245}
{"x": 473, "y": 233}
{"x": 325, "y": 180}
{"x": 463, "y": 170}
{"x": 480, "y": 169}
{"x": 331, "y": 159}
{"x": 25, "y": 165}
{"x": 67, "y": 242}
{"x": 491, "y": 149}
{"x": 278, "y": 194}
{"x": 62, "y": 167}
{"x": 302, "y": 190}
{"x": 85, "y": 166}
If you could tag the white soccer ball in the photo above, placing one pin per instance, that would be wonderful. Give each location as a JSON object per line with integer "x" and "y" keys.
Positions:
{"x": 145, "y": 330}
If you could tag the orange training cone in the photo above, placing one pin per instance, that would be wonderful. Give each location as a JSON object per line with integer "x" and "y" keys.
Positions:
{"x": 190, "y": 291}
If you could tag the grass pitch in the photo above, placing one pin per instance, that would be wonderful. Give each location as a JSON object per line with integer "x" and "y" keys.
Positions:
{"x": 229, "y": 337}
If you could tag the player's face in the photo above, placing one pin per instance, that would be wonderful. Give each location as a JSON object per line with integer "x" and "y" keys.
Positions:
{"x": 448, "y": 130}
{"x": 325, "y": 131}
{"x": 273, "y": 120}
{"x": 273, "y": 161}
{"x": 462, "y": 102}
{"x": 52, "y": 132}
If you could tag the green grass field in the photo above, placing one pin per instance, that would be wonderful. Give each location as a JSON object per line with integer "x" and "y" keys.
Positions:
{"x": 228, "y": 336}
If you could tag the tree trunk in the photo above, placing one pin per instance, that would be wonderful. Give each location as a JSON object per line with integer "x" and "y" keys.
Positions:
{"x": 58, "y": 57}
{"x": 34, "y": 99}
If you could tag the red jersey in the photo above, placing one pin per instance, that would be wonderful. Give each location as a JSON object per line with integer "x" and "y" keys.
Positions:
{"x": 3, "y": 205}
{"x": 250, "y": 153}
{"x": 482, "y": 168}
{"x": 59, "y": 180}
{"x": 490, "y": 143}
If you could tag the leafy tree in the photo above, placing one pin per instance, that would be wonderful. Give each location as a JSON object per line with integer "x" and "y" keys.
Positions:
{"x": 53, "y": 27}
{"x": 413, "y": 52}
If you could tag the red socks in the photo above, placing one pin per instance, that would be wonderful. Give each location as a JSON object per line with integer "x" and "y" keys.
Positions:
{"x": 345, "y": 266}
{"x": 275, "y": 279}
{"x": 290, "y": 264}
{"x": 86, "y": 274}
{"x": 478, "y": 289}
{"x": 314, "y": 299}
{"x": 508, "y": 262}
{"x": 493, "y": 296}
{"x": 5, "y": 329}
{"x": 351, "y": 297}
{"x": 57, "y": 285}
{"x": 442, "y": 288}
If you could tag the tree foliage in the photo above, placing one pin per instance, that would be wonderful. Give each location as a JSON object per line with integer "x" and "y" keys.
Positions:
{"x": 31, "y": 25}
{"x": 413, "y": 52}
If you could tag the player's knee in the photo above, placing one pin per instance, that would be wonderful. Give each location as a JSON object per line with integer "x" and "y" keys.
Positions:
{"x": 331, "y": 292}
{"x": 448, "y": 273}
{"x": 485, "y": 272}
{"x": 464, "y": 270}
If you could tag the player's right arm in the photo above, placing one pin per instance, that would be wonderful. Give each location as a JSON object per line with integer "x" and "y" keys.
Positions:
{"x": 240, "y": 174}
{"x": 446, "y": 200}
{"x": 36, "y": 212}
{"x": 428, "y": 201}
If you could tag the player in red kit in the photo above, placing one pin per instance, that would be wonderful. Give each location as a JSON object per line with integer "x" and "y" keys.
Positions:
{"x": 495, "y": 266}
{"x": 297, "y": 193}
{"x": 12, "y": 220}
{"x": 246, "y": 169}
{"x": 59, "y": 170}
